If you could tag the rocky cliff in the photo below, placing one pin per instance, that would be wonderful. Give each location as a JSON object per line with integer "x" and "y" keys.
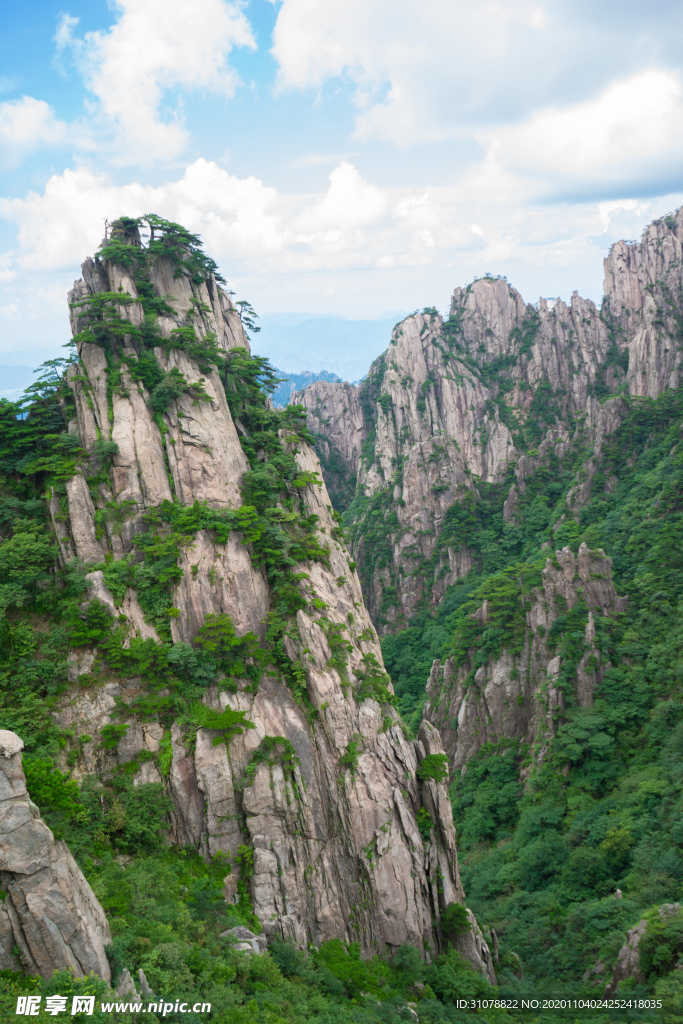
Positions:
{"x": 336, "y": 419}
{"x": 50, "y": 919}
{"x": 487, "y": 397}
{"x": 203, "y": 530}
{"x": 522, "y": 692}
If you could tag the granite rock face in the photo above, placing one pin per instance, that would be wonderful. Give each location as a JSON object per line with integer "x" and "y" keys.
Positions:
{"x": 628, "y": 961}
{"x": 500, "y": 385}
{"x": 335, "y": 417}
{"x": 49, "y": 912}
{"x": 517, "y": 695}
{"x": 331, "y": 814}
{"x": 642, "y": 288}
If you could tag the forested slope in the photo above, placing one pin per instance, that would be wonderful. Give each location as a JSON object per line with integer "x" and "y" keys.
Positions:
{"x": 554, "y": 824}
{"x": 517, "y": 517}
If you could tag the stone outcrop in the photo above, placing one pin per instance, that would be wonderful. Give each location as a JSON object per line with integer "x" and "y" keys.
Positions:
{"x": 643, "y": 283}
{"x": 48, "y": 913}
{"x": 336, "y": 420}
{"x": 332, "y": 825}
{"x": 628, "y": 961}
{"x": 437, "y": 430}
{"x": 244, "y": 940}
{"x": 520, "y": 695}
{"x": 455, "y": 404}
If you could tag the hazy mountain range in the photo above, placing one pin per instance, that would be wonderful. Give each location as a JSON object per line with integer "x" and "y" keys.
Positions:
{"x": 306, "y": 341}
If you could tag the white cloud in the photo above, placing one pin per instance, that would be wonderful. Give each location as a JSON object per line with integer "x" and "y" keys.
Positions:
{"x": 153, "y": 47}
{"x": 7, "y": 272}
{"x": 420, "y": 70}
{"x": 253, "y": 229}
{"x": 242, "y": 221}
{"x": 631, "y": 132}
{"x": 349, "y": 205}
{"x": 64, "y": 37}
{"x": 447, "y": 69}
{"x": 27, "y": 124}
{"x": 66, "y": 222}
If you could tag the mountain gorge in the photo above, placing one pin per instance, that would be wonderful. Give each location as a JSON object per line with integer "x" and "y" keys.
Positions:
{"x": 509, "y": 478}
{"x": 242, "y": 647}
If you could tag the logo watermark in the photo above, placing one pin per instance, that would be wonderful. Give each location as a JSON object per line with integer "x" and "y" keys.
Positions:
{"x": 30, "y": 1006}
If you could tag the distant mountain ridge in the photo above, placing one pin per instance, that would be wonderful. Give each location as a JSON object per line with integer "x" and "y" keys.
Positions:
{"x": 323, "y": 343}
{"x": 18, "y": 366}
{"x": 15, "y": 379}
{"x": 292, "y": 382}
{"x": 305, "y": 347}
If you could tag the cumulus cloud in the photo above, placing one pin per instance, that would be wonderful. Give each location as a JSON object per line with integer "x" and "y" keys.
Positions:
{"x": 57, "y": 227}
{"x": 555, "y": 108}
{"x": 349, "y": 205}
{"x": 27, "y": 124}
{"x": 408, "y": 62}
{"x": 441, "y": 68}
{"x": 630, "y": 133}
{"x": 244, "y": 222}
{"x": 238, "y": 217}
{"x": 252, "y": 228}
{"x": 153, "y": 47}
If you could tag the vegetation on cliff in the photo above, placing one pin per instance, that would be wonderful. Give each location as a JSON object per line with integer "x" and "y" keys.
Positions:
{"x": 541, "y": 862}
{"x": 167, "y": 905}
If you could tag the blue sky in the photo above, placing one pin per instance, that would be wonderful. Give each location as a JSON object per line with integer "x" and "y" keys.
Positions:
{"x": 338, "y": 156}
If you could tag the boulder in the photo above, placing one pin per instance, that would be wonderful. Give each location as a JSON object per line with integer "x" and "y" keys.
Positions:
{"x": 628, "y": 961}
{"x": 244, "y": 940}
{"x": 126, "y": 986}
